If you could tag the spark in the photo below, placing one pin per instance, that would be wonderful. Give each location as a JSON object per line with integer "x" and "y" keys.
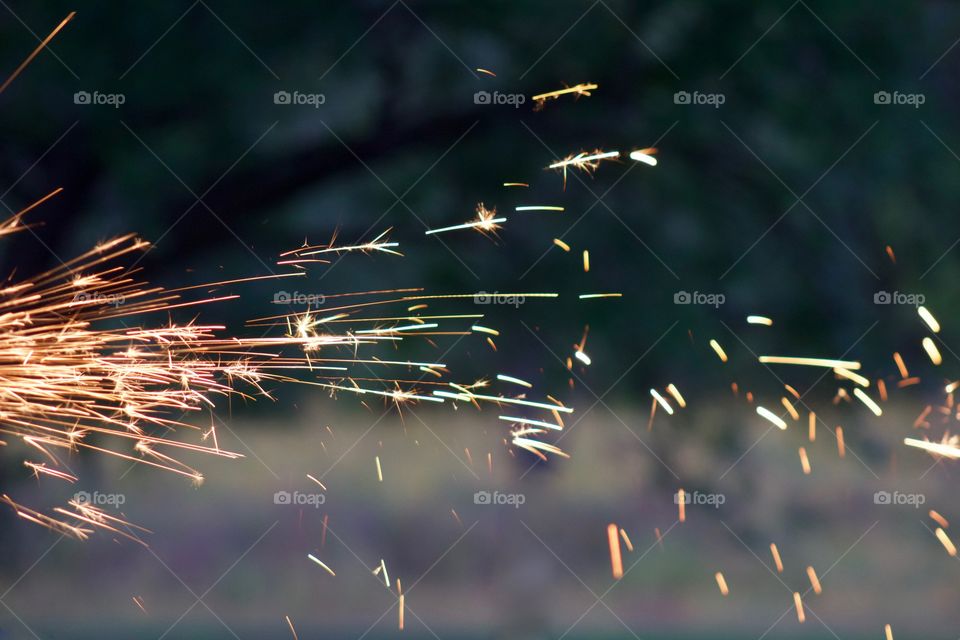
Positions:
{"x": 947, "y": 450}
{"x": 486, "y": 71}
{"x": 582, "y": 357}
{"x": 772, "y": 417}
{"x": 939, "y": 519}
{"x": 812, "y": 426}
{"x": 662, "y": 401}
{"x": 626, "y": 540}
{"x": 722, "y": 583}
{"x": 535, "y": 423}
{"x": 588, "y": 162}
{"x": 582, "y": 89}
{"x": 320, "y": 562}
{"x": 798, "y": 603}
{"x": 563, "y": 245}
{"x": 681, "y": 499}
{"x": 292, "y": 630}
{"x": 538, "y": 207}
{"x": 486, "y": 222}
{"x": 767, "y": 322}
{"x": 379, "y": 469}
{"x": 401, "y": 604}
{"x": 946, "y": 542}
{"x": 512, "y": 380}
{"x": 814, "y": 581}
{"x": 904, "y": 373}
{"x": 804, "y": 461}
{"x": 868, "y": 401}
{"x": 932, "y": 351}
{"x": 850, "y": 375}
{"x": 811, "y": 362}
{"x": 841, "y": 447}
{"x": 719, "y": 350}
{"x": 776, "y": 557}
{"x": 40, "y": 47}
{"x": 673, "y": 391}
{"x": 591, "y": 296}
{"x": 927, "y": 317}
{"x": 586, "y": 261}
{"x": 645, "y": 156}
{"x": 888, "y": 631}
{"x": 515, "y": 184}
{"x": 616, "y": 562}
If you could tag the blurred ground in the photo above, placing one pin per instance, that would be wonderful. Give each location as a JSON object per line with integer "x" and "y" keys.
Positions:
{"x": 509, "y": 572}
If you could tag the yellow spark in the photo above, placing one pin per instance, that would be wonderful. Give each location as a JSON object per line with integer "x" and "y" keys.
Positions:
{"x": 929, "y": 319}
{"x": 804, "y": 461}
{"x": 888, "y": 631}
{"x": 481, "y": 329}
{"x": 616, "y": 562}
{"x": 515, "y": 184}
{"x": 626, "y": 539}
{"x": 946, "y": 542}
{"x": 772, "y": 417}
{"x": 814, "y": 581}
{"x": 320, "y": 562}
{"x": 582, "y": 89}
{"x": 719, "y": 350}
{"x": 760, "y": 320}
{"x": 586, "y": 261}
{"x": 511, "y": 379}
{"x": 560, "y": 243}
{"x": 811, "y": 362}
{"x": 538, "y": 207}
{"x": 681, "y": 498}
{"x": 868, "y": 401}
{"x": 850, "y": 375}
{"x": 932, "y": 351}
{"x": 536, "y": 423}
{"x": 790, "y": 408}
{"x": 776, "y": 557}
{"x": 673, "y": 391}
{"x": 487, "y": 72}
{"x": 591, "y": 296}
{"x": 798, "y": 603}
{"x": 379, "y": 470}
{"x": 841, "y": 447}
{"x": 722, "y": 583}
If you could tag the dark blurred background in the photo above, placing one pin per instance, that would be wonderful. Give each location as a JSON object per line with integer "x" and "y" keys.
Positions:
{"x": 783, "y": 199}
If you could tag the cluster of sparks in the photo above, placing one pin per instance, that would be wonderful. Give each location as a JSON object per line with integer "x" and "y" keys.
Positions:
{"x": 82, "y": 368}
